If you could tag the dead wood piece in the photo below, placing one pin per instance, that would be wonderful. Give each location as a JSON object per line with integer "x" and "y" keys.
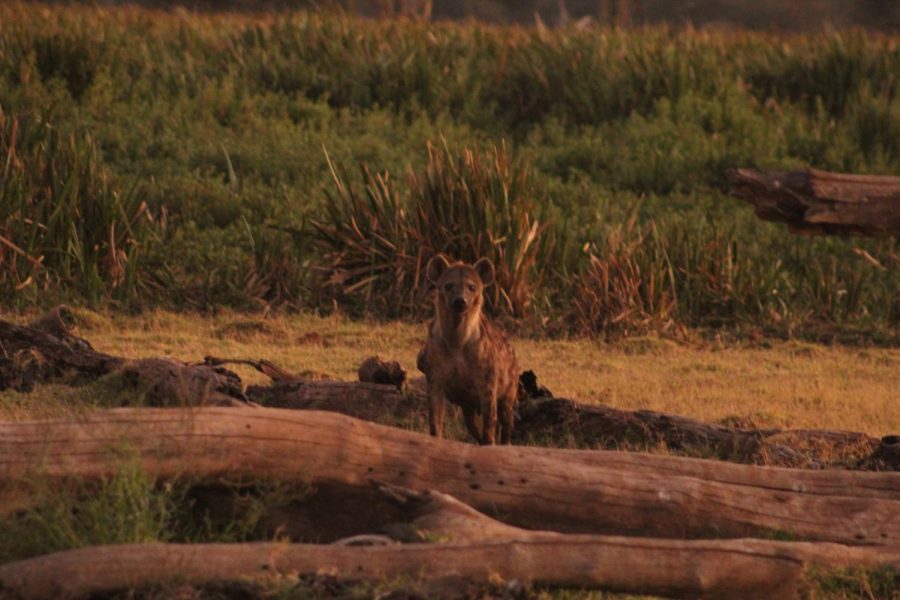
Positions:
{"x": 375, "y": 370}
{"x": 563, "y": 490}
{"x": 375, "y": 402}
{"x": 743, "y": 568}
{"x": 30, "y": 355}
{"x": 267, "y": 368}
{"x": 814, "y": 201}
{"x": 606, "y": 427}
{"x": 168, "y": 382}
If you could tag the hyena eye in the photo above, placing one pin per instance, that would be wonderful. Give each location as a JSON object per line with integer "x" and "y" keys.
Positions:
{"x": 471, "y": 287}
{"x": 448, "y": 287}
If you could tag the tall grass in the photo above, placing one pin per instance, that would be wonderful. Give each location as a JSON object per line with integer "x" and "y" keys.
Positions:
{"x": 125, "y": 508}
{"x": 469, "y": 204}
{"x": 62, "y": 218}
{"x": 220, "y": 119}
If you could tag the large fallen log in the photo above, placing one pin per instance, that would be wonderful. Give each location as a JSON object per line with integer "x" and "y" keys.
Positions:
{"x": 535, "y": 488}
{"x": 473, "y": 547}
{"x": 545, "y": 419}
{"x": 814, "y": 201}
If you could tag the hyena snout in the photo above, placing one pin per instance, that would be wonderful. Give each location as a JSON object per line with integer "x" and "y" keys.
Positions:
{"x": 459, "y": 304}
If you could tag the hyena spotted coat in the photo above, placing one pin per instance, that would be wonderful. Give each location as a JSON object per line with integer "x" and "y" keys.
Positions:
{"x": 467, "y": 360}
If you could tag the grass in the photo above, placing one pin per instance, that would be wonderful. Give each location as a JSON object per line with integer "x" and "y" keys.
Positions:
{"x": 221, "y": 127}
{"x": 854, "y": 583}
{"x": 789, "y": 384}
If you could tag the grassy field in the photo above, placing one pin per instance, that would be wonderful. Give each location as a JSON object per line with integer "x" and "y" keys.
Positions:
{"x": 787, "y": 384}
{"x": 201, "y": 161}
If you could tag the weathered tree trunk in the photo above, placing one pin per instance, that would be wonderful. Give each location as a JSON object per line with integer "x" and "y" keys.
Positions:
{"x": 597, "y": 426}
{"x": 569, "y": 491}
{"x": 815, "y": 201}
{"x": 474, "y": 547}
{"x": 46, "y": 351}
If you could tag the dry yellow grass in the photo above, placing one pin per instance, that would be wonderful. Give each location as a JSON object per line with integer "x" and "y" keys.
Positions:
{"x": 790, "y": 384}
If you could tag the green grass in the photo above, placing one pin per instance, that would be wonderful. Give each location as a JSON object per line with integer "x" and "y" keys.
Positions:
{"x": 853, "y": 583}
{"x": 131, "y": 507}
{"x": 219, "y": 125}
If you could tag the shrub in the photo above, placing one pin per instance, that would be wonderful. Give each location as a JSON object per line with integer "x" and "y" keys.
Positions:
{"x": 469, "y": 205}
{"x": 63, "y": 219}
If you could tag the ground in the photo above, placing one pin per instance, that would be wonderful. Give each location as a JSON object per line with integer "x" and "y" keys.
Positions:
{"x": 764, "y": 383}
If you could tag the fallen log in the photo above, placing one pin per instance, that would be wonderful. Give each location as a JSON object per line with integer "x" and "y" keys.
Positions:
{"x": 814, "y": 201}
{"x": 542, "y": 420}
{"x": 535, "y": 488}
{"x": 474, "y": 547}
{"x": 47, "y": 351}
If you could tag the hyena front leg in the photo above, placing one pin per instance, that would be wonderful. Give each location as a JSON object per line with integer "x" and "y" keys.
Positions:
{"x": 507, "y": 419}
{"x": 436, "y": 407}
{"x": 472, "y": 416}
{"x": 489, "y": 415}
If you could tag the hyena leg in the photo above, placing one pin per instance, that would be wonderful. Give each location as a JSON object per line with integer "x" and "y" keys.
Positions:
{"x": 507, "y": 419}
{"x": 489, "y": 416}
{"x": 436, "y": 407}
{"x": 472, "y": 417}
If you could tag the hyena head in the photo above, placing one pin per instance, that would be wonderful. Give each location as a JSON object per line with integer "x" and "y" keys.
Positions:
{"x": 459, "y": 287}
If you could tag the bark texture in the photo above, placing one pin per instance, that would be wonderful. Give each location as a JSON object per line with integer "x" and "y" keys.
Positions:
{"x": 534, "y": 488}
{"x": 814, "y": 201}
{"x": 474, "y": 547}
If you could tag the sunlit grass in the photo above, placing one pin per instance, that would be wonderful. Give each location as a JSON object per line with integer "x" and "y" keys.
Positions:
{"x": 783, "y": 384}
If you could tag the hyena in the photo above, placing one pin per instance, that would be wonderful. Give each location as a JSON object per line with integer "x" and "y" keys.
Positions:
{"x": 467, "y": 359}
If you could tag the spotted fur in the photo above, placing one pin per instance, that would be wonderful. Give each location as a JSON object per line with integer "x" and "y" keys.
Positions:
{"x": 467, "y": 360}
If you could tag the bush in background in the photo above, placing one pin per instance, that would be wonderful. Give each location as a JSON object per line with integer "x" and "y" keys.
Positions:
{"x": 469, "y": 205}
{"x": 63, "y": 219}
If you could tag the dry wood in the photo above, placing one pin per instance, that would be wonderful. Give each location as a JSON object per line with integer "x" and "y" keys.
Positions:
{"x": 543, "y": 419}
{"x": 569, "y": 491}
{"x": 267, "y": 368}
{"x": 474, "y": 547}
{"x": 814, "y": 201}
{"x": 46, "y": 350}
{"x": 168, "y": 382}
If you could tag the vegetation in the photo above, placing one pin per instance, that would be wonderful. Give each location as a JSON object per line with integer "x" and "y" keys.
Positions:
{"x": 154, "y": 158}
{"x": 161, "y": 161}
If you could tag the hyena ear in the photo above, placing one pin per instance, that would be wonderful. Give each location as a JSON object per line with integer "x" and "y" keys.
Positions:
{"x": 485, "y": 269}
{"x": 435, "y": 267}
